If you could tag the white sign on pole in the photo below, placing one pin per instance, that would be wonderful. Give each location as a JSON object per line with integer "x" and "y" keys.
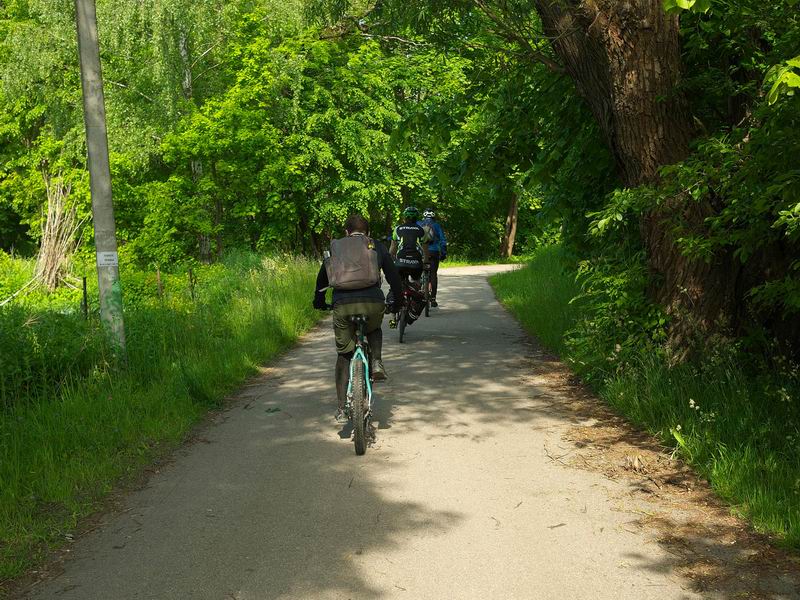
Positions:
{"x": 107, "y": 259}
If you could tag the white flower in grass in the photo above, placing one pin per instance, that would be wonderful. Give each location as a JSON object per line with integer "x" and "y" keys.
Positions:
{"x": 678, "y": 428}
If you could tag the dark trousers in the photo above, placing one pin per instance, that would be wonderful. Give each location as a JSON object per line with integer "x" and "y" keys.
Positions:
{"x": 406, "y": 275}
{"x": 345, "y": 331}
{"x": 435, "y": 258}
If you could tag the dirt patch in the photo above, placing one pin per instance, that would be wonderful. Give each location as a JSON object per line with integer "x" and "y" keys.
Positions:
{"x": 718, "y": 554}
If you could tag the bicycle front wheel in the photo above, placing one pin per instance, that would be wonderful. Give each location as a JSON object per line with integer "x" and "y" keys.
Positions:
{"x": 402, "y": 322}
{"x": 359, "y": 391}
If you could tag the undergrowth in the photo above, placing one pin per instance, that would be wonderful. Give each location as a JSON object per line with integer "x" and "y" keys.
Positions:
{"x": 737, "y": 422}
{"x": 71, "y": 426}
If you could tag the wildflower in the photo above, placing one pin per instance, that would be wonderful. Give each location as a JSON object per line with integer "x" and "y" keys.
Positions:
{"x": 691, "y": 403}
{"x": 678, "y": 428}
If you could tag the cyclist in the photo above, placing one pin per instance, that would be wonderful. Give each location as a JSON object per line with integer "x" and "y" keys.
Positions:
{"x": 410, "y": 250}
{"x": 367, "y": 300}
{"x": 437, "y": 248}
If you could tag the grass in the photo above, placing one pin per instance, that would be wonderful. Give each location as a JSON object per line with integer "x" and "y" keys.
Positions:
{"x": 738, "y": 426}
{"x": 540, "y": 294}
{"x": 461, "y": 261}
{"x": 70, "y": 432}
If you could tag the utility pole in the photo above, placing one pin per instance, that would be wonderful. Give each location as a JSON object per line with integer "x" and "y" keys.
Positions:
{"x": 105, "y": 236}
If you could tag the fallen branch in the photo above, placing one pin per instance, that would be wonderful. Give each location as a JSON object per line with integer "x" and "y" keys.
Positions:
{"x": 32, "y": 282}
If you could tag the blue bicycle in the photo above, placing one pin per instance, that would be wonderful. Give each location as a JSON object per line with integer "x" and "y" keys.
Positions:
{"x": 358, "y": 407}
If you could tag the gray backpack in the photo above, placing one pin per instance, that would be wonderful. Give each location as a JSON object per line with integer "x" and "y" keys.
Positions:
{"x": 352, "y": 263}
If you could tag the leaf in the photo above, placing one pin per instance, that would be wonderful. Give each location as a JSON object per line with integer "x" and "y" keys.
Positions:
{"x": 772, "y": 96}
{"x": 792, "y": 80}
{"x": 680, "y": 439}
{"x": 674, "y": 6}
{"x": 703, "y": 6}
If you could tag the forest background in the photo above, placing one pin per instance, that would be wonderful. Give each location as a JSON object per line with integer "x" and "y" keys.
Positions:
{"x": 645, "y": 155}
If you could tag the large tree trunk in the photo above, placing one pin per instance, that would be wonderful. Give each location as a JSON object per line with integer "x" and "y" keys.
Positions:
{"x": 625, "y": 59}
{"x": 510, "y": 236}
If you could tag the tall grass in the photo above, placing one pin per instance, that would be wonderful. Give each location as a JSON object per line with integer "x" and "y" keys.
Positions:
{"x": 70, "y": 426}
{"x": 737, "y": 425}
{"x": 540, "y": 296}
{"x": 464, "y": 261}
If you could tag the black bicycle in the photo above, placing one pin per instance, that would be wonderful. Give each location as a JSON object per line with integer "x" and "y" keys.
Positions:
{"x": 426, "y": 289}
{"x": 411, "y": 307}
{"x": 358, "y": 407}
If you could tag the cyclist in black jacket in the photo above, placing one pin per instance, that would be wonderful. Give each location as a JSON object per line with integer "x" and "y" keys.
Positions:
{"x": 409, "y": 249}
{"x": 368, "y": 301}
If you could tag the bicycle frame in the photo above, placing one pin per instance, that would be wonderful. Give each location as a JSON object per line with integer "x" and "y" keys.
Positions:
{"x": 362, "y": 356}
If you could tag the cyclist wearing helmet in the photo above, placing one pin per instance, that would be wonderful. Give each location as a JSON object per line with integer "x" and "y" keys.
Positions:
{"x": 410, "y": 245}
{"x": 409, "y": 248}
{"x": 437, "y": 248}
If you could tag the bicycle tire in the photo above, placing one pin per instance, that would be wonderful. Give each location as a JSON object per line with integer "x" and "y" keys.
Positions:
{"x": 359, "y": 400}
{"x": 427, "y": 282}
{"x": 402, "y": 322}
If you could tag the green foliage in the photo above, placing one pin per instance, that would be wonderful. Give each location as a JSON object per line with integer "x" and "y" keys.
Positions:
{"x": 258, "y": 125}
{"x": 619, "y": 320}
{"x": 786, "y": 78}
{"x": 732, "y": 417}
{"x": 71, "y": 427}
{"x": 267, "y": 133}
{"x": 549, "y": 275}
{"x": 728, "y": 52}
{"x": 676, "y": 6}
{"x": 752, "y": 176}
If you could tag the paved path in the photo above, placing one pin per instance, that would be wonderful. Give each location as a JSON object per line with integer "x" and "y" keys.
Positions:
{"x": 457, "y": 500}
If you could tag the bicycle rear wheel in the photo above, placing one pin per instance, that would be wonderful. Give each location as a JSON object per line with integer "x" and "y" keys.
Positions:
{"x": 426, "y": 282}
{"x": 359, "y": 391}
{"x": 402, "y": 322}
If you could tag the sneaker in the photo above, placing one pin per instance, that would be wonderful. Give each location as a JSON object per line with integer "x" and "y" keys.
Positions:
{"x": 340, "y": 417}
{"x": 378, "y": 371}
{"x": 434, "y": 303}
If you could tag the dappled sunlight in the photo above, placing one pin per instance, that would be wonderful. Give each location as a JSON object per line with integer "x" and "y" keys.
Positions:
{"x": 269, "y": 505}
{"x": 470, "y": 474}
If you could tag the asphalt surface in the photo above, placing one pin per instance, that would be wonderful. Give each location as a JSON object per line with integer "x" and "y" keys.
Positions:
{"x": 457, "y": 499}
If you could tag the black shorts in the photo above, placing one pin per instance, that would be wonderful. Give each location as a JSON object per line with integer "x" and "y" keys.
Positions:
{"x": 415, "y": 273}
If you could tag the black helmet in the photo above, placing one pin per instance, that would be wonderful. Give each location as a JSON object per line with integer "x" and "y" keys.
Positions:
{"x": 411, "y": 212}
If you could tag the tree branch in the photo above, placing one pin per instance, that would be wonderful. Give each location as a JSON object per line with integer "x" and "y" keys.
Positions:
{"x": 394, "y": 38}
{"x": 135, "y": 91}
{"x": 513, "y": 35}
{"x": 199, "y": 58}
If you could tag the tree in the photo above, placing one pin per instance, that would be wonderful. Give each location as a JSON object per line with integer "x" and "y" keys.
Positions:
{"x": 625, "y": 61}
